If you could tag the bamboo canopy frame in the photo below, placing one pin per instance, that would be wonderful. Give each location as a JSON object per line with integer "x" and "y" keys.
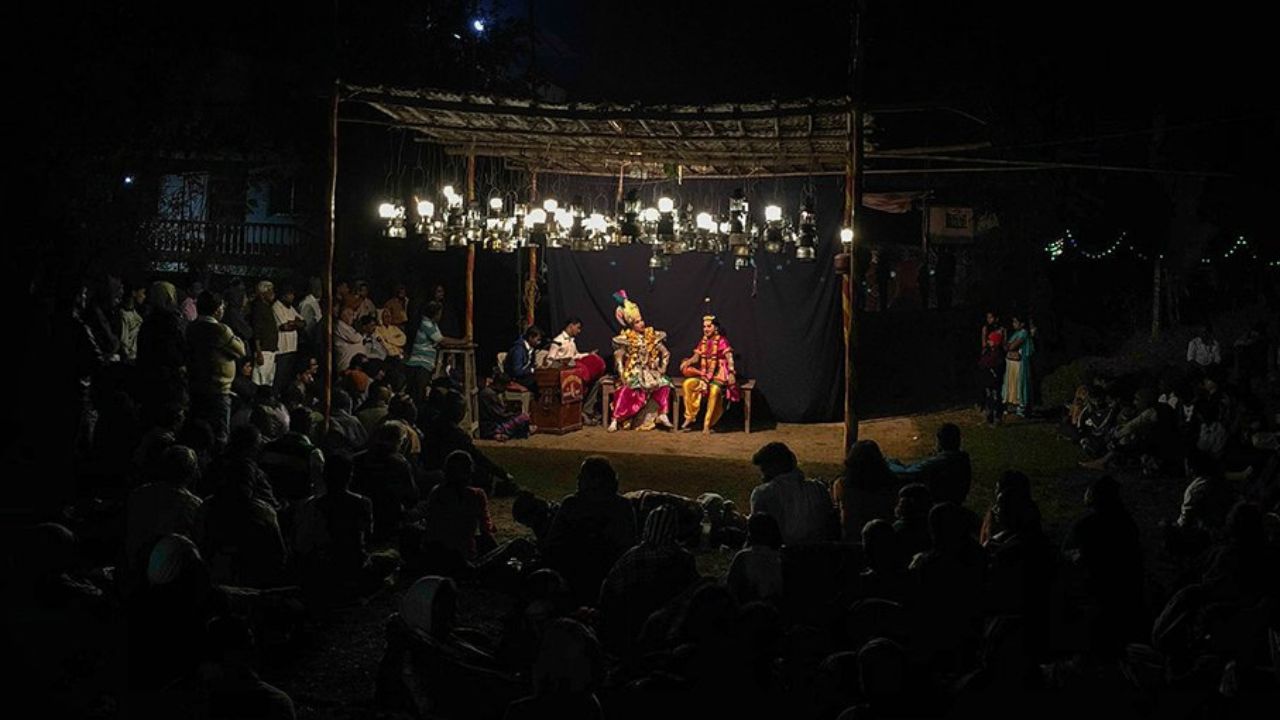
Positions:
{"x": 728, "y": 140}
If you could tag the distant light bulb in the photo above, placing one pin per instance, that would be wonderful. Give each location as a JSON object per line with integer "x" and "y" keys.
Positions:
{"x": 537, "y": 216}
{"x": 846, "y": 236}
{"x": 651, "y": 215}
{"x": 448, "y": 191}
{"x": 596, "y": 222}
{"x": 426, "y": 208}
{"x": 477, "y": 25}
{"x": 128, "y": 179}
{"x": 705, "y": 222}
{"x": 666, "y": 205}
{"x": 725, "y": 227}
{"x": 773, "y": 213}
{"x": 564, "y": 218}
{"x": 495, "y": 204}
{"x": 386, "y": 211}
{"x": 550, "y": 205}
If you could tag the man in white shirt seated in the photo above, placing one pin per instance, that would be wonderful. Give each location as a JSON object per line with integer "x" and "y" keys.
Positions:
{"x": 1203, "y": 352}
{"x": 564, "y": 348}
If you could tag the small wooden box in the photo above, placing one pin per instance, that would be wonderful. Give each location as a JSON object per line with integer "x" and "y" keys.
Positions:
{"x": 557, "y": 409}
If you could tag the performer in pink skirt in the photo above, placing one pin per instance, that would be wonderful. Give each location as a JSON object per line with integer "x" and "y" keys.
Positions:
{"x": 641, "y": 356}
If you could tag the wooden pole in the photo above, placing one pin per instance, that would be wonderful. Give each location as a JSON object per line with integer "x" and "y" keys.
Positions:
{"x": 330, "y": 241}
{"x": 471, "y": 252}
{"x": 853, "y": 196}
{"x": 531, "y": 284}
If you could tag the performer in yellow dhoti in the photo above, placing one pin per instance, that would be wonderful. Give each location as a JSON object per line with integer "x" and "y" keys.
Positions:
{"x": 708, "y": 374}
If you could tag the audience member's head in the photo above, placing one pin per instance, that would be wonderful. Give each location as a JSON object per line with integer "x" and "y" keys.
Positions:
{"x": 459, "y": 468}
{"x": 1104, "y": 495}
{"x": 914, "y": 501}
{"x": 660, "y": 527}
{"x": 245, "y": 442}
{"x": 300, "y": 421}
{"x": 710, "y": 617}
{"x": 569, "y": 660}
{"x": 596, "y": 475}
{"x": 337, "y": 472}
{"x": 881, "y": 547}
{"x": 178, "y": 466}
{"x": 402, "y": 407}
{"x": 763, "y": 530}
{"x": 429, "y": 606}
{"x": 774, "y": 459}
{"x": 949, "y": 437}
{"x": 531, "y": 511}
{"x": 388, "y": 439}
{"x": 340, "y": 402}
{"x": 434, "y": 310}
{"x": 948, "y": 526}
{"x": 882, "y": 670}
{"x": 864, "y": 463}
{"x": 172, "y": 558}
{"x": 210, "y": 304}
{"x": 196, "y": 434}
{"x": 230, "y": 640}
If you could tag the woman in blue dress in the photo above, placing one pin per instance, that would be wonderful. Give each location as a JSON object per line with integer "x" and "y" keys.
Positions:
{"x": 1017, "y": 368}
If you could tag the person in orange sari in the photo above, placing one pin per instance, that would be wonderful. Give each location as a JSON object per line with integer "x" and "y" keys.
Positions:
{"x": 709, "y": 374}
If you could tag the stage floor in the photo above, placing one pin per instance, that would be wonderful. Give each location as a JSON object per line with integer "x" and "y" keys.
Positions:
{"x": 903, "y": 437}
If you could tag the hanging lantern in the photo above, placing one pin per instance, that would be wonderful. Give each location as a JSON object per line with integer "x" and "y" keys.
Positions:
{"x": 738, "y": 231}
{"x": 774, "y": 230}
{"x": 807, "y": 237}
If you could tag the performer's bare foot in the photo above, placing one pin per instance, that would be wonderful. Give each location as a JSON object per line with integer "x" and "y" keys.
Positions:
{"x": 613, "y": 425}
{"x": 688, "y": 427}
{"x": 533, "y": 429}
{"x": 706, "y": 431}
{"x": 662, "y": 422}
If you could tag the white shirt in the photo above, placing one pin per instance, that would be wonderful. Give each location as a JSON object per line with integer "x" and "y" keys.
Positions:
{"x": 288, "y": 339}
{"x": 1203, "y": 354}
{"x": 564, "y": 347}
{"x": 311, "y": 311}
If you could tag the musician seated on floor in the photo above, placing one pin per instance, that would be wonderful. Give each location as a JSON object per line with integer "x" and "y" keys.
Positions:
{"x": 497, "y": 422}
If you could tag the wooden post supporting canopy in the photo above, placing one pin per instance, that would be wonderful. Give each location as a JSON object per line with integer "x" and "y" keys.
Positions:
{"x": 329, "y": 245}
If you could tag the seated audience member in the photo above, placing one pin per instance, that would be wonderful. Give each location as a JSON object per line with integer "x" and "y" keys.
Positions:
{"x": 230, "y": 687}
{"x": 403, "y": 411}
{"x": 802, "y": 507}
{"x": 1212, "y": 437}
{"x": 1103, "y": 556}
{"x": 755, "y": 573}
{"x": 1149, "y": 436}
{"x": 60, "y": 633}
{"x": 375, "y": 411}
{"x": 331, "y": 533}
{"x": 383, "y": 474}
{"x": 950, "y": 575}
{"x": 886, "y": 576}
{"x": 591, "y": 530}
{"x": 496, "y": 421}
{"x": 542, "y": 599}
{"x": 866, "y": 491}
{"x": 240, "y": 461}
{"x": 432, "y": 667}
{"x": 456, "y": 517}
{"x": 294, "y": 465}
{"x": 1021, "y": 563}
{"x": 346, "y": 434}
{"x": 356, "y": 381}
{"x": 534, "y": 513}
{"x": 644, "y": 579}
{"x": 169, "y": 419}
{"x": 163, "y": 507}
{"x": 443, "y": 436}
{"x": 240, "y": 537}
{"x": 243, "y": 388}
{"x": 690, "y": 514}
{"x": 519, "y": 363}
{"x": 566, "y": 673}
{"x": 168, "y": 616}
{"x": 1206, "y": 502}
{"x": 1011, "y": 487}
{"x": 911, "y": 518}
{"x": 265, "y": 411}
{"x": 947, "y": 473}
{"x": 347, "y": 340}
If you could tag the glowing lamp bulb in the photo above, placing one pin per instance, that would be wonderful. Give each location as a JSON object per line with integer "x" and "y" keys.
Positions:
{"x": 550, "y": 205}
{"x": 537, "y": 217}
{"x": 666, "y": 205}
{"x": 386, "y": 211}
{"x": 596, "y": 222}
{"x": 564, "y": 218}
{"x": 846, "y": 236}
{"x": 705, "y": 222}
{"x": 651, "y": 215}
{"x": 495, "y": 204}
{"x": 426, "y": 208}
{"x": 773, "y": 213}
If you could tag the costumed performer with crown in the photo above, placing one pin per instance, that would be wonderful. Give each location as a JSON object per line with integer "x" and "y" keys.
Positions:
{"x": 640, "y": 356}
{"x": 708, "y": 374}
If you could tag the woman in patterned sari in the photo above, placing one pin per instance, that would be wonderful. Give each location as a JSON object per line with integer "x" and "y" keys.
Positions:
{"x": 1017, "y": 367}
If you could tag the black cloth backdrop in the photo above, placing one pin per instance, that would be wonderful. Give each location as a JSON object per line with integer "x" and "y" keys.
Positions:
{"x": 784, "y": 324}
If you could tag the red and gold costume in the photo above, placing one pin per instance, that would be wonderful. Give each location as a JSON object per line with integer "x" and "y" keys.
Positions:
{"x": 709, "y": 374}
{"x": 644, "y": 391}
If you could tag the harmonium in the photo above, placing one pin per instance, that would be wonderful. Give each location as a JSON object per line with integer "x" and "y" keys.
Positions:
{"x": 558, "y": 407}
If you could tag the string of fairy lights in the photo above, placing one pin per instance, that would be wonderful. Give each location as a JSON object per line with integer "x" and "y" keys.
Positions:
{"x": 1057, "y": 248}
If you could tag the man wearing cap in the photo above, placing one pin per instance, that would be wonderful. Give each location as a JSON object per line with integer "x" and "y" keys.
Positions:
{"x": 708, "y": 374}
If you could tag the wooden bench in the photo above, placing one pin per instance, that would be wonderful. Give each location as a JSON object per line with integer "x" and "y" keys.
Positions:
{"x": 608, "y": 384}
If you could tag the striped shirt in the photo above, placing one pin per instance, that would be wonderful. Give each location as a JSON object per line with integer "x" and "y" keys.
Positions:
{"x": 426, "y": 346}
